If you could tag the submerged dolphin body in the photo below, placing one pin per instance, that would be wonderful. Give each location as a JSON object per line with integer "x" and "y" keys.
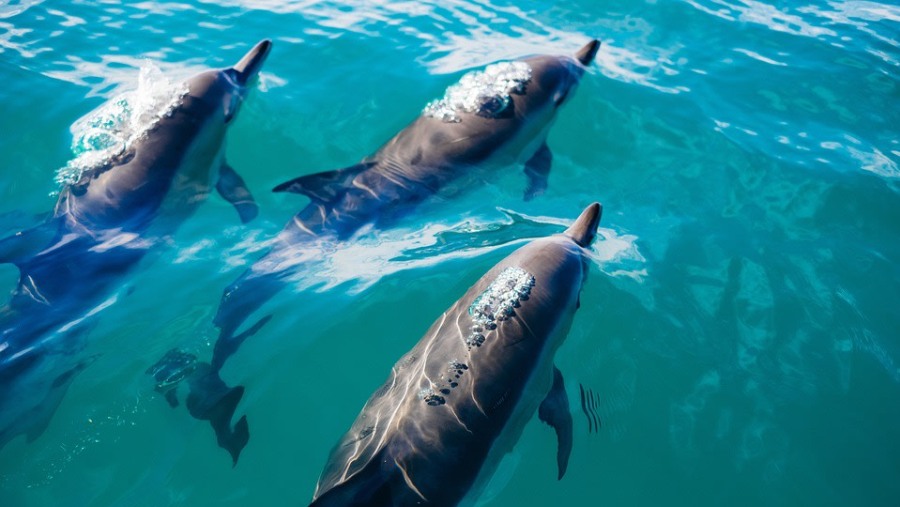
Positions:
{"x": 490, "y": 118}
{"x": 102, "y": 226}
{"x": 455, "y": 404}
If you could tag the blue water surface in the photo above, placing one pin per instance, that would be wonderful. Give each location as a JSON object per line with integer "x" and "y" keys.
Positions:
{"x": 740, "y": 321}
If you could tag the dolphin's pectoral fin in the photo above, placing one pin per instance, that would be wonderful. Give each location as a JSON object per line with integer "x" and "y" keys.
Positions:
{"x": 554, "y": 411}
{"x": 323, "y": 187}
{"x": 233, "y": 189}
{"x": 537, "y": 169}
{"x": 28, "y": 243}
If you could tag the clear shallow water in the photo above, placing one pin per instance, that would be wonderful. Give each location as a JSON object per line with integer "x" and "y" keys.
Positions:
{"x": 740, "y": 322}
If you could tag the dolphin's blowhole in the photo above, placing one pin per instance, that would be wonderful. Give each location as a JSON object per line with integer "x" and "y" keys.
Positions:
{"x": 482, "y": 92}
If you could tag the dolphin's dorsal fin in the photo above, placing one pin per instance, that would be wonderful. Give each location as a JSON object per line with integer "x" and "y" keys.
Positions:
{"x": 233, "y": 189}
{"x": 584, "y": 229}
{"x": 323, "y": 187}
{"x": 554, "y": 411}
{"x": 26, "y": 244}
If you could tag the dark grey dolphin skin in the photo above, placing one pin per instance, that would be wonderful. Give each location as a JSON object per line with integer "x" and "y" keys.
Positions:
{"x": 458, "y": 401}
{"x": 101, "y": 227}
{"x": 429, "y": 156}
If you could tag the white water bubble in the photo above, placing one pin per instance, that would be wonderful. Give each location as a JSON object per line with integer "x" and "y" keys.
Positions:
{"x": 486, "y": 93}
{"x": 113, "y": 127}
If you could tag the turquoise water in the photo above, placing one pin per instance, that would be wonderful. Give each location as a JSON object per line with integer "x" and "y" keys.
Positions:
{"x": 740, "y": 321}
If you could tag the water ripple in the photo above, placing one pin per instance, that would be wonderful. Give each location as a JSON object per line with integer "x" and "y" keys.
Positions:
{"x": 761, "y": 13}
{"x": 747, "y": 156}
{"x": 10, "y": 9}
{"x": 867, "y": 17}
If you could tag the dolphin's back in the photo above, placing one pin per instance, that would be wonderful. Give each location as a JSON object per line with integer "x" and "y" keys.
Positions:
{"x": 420, "y": 161}
{"x": 429, "y": 144}
{"x": 129, "y": 191}
{"x": 402, "y": 435}
{"x": 425, "y": 435}
{"x": 373, "y": 465}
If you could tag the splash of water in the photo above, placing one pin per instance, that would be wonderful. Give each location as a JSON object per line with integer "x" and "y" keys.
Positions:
{"x": 113, "y": 127}
{"x": 485, "y": 93}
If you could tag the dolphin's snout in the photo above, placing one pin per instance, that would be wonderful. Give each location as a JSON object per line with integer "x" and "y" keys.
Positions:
{"x": 586, "y": 54}
{"x": 584, "y": 230}
{"x": 249, "y": 66}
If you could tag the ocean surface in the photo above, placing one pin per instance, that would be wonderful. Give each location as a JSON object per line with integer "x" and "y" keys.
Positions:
{"x": 740, "y": 322}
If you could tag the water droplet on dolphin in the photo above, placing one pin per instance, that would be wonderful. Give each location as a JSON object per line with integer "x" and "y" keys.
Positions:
{"x": 498, "y": 301}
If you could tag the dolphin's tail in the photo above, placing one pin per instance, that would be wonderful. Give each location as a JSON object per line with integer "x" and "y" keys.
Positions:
{"x": 210, "y": 399}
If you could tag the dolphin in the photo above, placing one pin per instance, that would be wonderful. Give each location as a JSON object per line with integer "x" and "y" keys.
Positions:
{"x": 456, "y": 403}
{"x": 490, "y": 119}
{"x": 101, "y": 227}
